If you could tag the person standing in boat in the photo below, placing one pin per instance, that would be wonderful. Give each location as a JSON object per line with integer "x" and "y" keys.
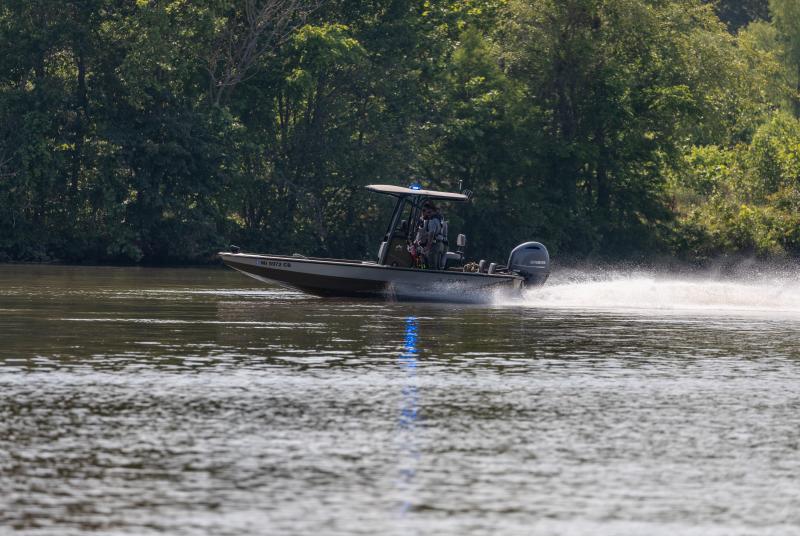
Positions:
{"x": 430, "y": 238}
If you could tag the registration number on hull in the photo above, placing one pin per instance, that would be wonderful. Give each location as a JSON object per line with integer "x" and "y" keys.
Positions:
{"x": 274, "y": 264}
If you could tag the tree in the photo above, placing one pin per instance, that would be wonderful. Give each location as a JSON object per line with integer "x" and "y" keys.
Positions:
{"x": 614, "y": 87}
{"x": 251, "y": 30}
{"x": 786, "y": 17}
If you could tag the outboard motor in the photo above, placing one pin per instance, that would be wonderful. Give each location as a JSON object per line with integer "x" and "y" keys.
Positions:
{"x": 531, "y": 261}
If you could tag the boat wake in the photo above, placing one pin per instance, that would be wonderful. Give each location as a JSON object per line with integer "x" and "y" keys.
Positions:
{"x": 762, "y": 294}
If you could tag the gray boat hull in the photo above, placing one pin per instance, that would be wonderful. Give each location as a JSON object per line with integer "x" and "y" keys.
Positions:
{"x": 334, "y": 277}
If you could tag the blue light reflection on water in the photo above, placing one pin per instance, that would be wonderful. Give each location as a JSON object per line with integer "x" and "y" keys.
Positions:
{"x": 409, "y": 412}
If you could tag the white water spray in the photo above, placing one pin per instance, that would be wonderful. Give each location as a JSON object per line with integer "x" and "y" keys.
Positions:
{"x": 774, "y": 293}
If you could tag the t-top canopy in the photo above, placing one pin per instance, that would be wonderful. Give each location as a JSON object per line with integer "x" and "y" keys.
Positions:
{"x": 400, "y": 191}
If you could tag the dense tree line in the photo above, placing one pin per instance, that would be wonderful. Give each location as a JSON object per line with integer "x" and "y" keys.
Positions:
{"x": 161, "y": 130}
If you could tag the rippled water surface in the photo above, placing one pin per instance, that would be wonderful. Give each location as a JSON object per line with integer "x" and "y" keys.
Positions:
{"x": 144, "y": 401}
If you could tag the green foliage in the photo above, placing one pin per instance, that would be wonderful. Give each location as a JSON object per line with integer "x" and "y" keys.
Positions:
{"x": 786, "y": 17}
{"x": 743, "y": 199}
{"x": 158, "y": 132}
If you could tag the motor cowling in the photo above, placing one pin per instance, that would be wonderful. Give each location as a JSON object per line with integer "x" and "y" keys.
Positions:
{"x": 531, "y": 261}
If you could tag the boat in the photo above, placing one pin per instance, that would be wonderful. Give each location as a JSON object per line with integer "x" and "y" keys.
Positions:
{"x": 396, "y": 274}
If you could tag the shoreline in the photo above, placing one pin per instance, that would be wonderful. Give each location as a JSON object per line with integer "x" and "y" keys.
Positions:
{"x": 730, "y": 265}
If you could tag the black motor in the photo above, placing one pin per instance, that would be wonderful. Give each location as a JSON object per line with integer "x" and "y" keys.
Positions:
{"x": 531, "y": 261}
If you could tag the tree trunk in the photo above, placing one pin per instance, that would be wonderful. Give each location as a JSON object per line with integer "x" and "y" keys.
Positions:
{"x": 80, "y": 122}
{"x": 603, "y": 195}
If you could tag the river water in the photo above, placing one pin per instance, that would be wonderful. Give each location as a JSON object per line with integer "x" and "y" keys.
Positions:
{"x": 187, "y": 401}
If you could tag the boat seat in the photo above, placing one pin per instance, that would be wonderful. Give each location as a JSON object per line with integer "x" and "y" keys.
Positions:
{"x": 452, "y": 257}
